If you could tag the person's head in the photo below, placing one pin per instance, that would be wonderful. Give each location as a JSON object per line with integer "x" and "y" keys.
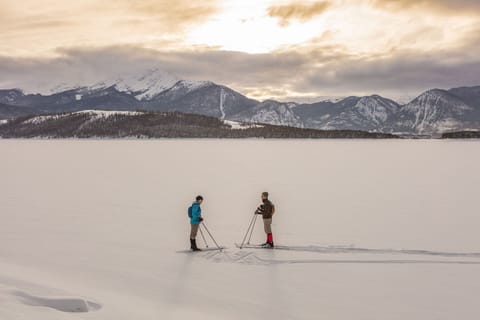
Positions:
{"x": 199, "y": 199}
{"x": 264, "y": 195}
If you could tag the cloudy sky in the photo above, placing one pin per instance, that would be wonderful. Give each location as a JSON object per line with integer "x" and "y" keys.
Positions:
{"x": 287, "y": 50}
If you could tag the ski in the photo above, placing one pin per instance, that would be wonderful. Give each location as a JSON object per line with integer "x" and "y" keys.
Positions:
{"x": 259, "y": 246}
{"x": 202, "y": 250}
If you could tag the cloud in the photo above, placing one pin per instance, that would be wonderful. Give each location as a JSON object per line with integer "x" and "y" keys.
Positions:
{"x": 401, "y": 73}
{"x": 175, "y": 14}
{"x": 297, "y": 11}
{"x": 286, "y": 74}
{"x": 37, "y": 27}
{"x": 450, "y": 7}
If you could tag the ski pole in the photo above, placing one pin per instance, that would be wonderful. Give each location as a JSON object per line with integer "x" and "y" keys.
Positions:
{"x": 246, "y": 234}
{"x": 219, "y": 248}
{"x": 251, "y": 231}
{"x": 203, "y": 237}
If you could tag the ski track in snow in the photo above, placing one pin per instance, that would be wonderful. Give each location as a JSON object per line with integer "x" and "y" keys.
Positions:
{"x": 251, "y": 258}
{"x": 352, "y": 249}
{"x": 247, "y": 256}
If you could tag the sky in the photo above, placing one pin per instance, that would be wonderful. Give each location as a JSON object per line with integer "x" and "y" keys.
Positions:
{"x": 285, "y": 50}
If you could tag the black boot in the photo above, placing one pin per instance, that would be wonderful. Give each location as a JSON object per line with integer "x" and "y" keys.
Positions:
{"x": 193, "y": 245}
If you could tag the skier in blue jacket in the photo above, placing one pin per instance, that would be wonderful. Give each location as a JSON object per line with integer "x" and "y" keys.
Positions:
{"x": 195, "y": 220}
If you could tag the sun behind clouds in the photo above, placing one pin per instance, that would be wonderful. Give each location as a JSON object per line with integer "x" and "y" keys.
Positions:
{"x": 300, "y": 48}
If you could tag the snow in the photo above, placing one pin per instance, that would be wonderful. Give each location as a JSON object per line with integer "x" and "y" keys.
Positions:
{"x": 40, "y": 119}
{"x": 434, "y": 112}
{"x": 108, "y": 113}
{"x": 149, "y": 84}
{"x": 242, "y": 125}
{"x": 78, "y": 97}
{"x": 145, "y": 83}
{"x": 96, "y": 114}
{"x": 190, "y": 85}
{"x": 381, "y": 229}
{"x": 3, "y": 121}
{"x": 333, "y": 99}
{"x": 277, "y": 114}
{"x": 222, "y": 98}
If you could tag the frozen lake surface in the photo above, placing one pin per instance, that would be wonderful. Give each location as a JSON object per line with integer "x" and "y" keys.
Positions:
{"x": 382, "y": 229}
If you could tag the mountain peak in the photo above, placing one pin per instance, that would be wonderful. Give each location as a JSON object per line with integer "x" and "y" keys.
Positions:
{"x": 143, "y": 85}
{"x": 193, "y": 85}
{"x": 434, "y": 111}
{"x": 434, "y": 96}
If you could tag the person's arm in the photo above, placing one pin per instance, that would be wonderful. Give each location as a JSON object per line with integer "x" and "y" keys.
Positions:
{"x": 259, "y": 209}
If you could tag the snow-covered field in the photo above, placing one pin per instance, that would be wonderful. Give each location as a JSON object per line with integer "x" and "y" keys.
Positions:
{"x": 383, "y": 229}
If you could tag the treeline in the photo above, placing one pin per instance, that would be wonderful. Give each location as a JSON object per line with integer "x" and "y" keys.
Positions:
{"x": 158, "y": 125}
{"x": 462, "y": 135}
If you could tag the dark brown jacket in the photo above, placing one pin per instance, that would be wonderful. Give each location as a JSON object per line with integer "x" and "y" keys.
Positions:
{"x": 267, "y": 209}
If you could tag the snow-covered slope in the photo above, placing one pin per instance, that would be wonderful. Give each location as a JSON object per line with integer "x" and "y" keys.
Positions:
{"x": 180, "y": 89}
{"x": 206, "y": 98}
{"x": 271, "y": 112}
{"x": 235, "y": 124}
{"x": 92, "y": 114}
{"x": 375, "y": 109}
{"x": 146, "y": 86}
{"x": 365, "y": 113}
{"x": 143, "y": 85}
{"x": 433, "y": 112}
{"x": 369, "y": 113}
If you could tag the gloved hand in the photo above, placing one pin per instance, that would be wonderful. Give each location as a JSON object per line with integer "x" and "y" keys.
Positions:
{"x": 200, "y": 219}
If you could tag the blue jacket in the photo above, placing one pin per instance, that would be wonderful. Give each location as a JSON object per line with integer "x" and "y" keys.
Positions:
{"x": 196, "y": 213}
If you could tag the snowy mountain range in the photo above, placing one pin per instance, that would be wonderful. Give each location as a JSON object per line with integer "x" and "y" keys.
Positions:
{"x": 432, "y": 113}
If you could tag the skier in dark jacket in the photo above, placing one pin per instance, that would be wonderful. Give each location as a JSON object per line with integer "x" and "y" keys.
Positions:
{"x": 195, "y": 221}
{"x": 267, "y": 209}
